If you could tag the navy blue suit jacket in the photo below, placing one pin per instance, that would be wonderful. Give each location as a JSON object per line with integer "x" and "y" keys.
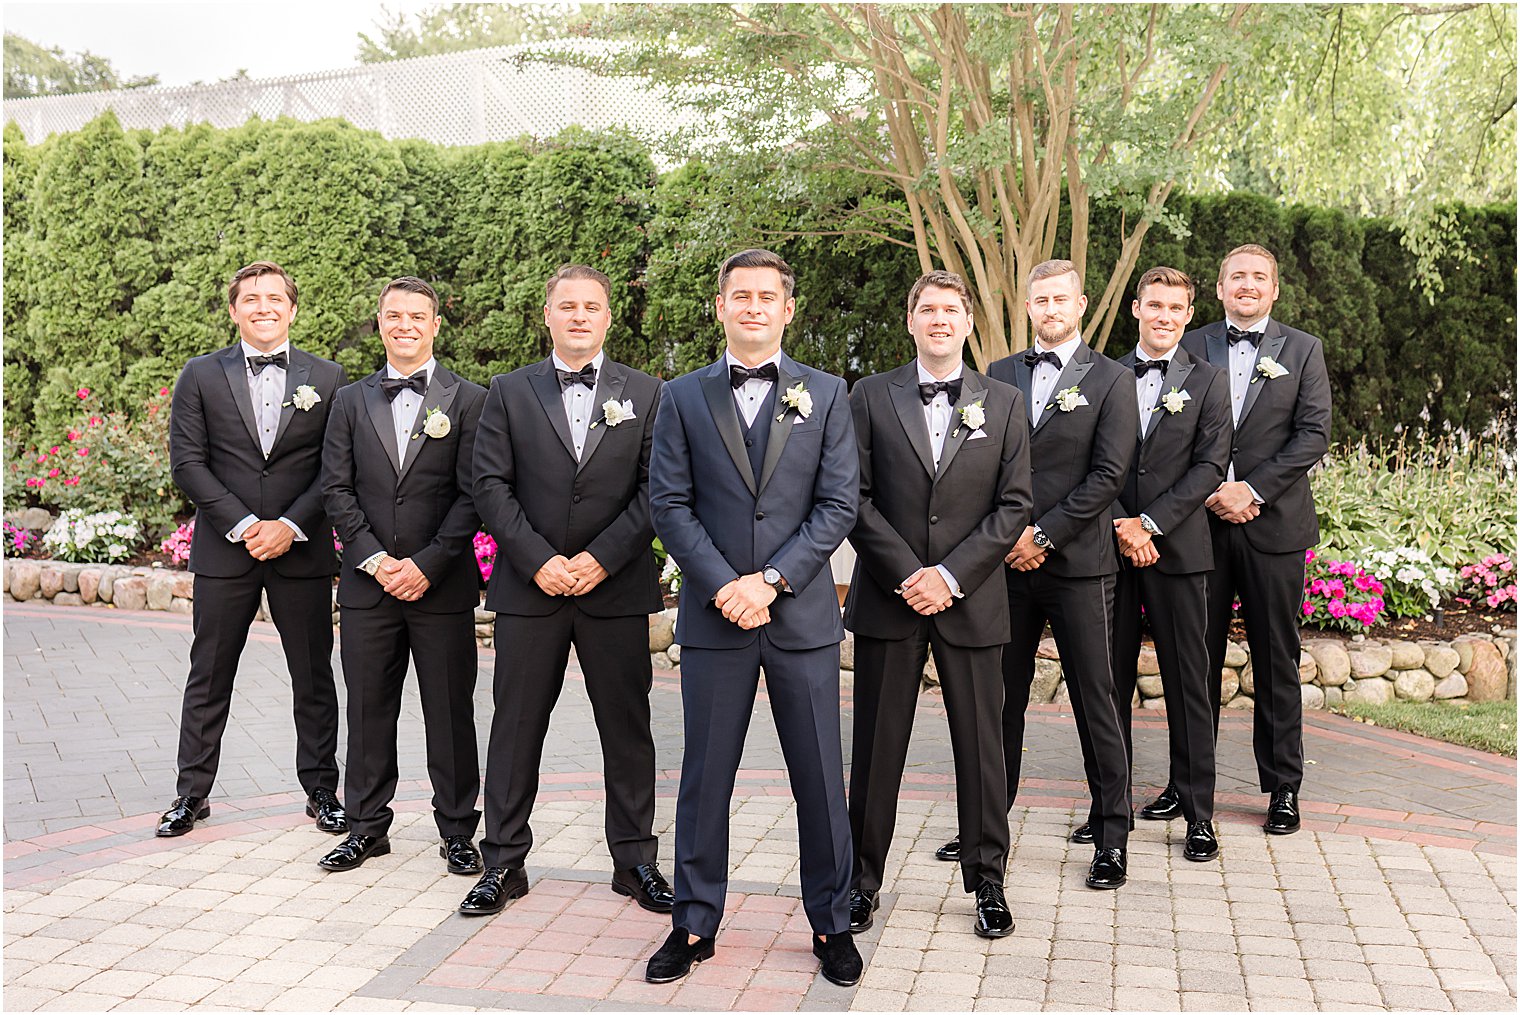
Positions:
{"x": 719, "y": 522}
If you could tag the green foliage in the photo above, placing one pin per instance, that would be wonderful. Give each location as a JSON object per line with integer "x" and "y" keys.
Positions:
{"x": 1458, "y": 505}
{"x": 31, "y": 69}
{"x": 448, "y": 28}
{"x": 1485, "y": 725}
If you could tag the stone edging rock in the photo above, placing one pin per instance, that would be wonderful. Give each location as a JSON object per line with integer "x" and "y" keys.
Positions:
{"x": 1471, "y": 667}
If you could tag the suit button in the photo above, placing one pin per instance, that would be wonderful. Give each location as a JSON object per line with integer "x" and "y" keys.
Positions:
{"x": 759, "y": 516}
{"x": 749, "y": 443}
{"x": 264, "y": 473}
{"x": 576, "y": 499}
{"x": 934, "y": 519}
{"x": 1142, "y": 472}
{"x": 1234, "y": 451}
{"x": 400, "y": 500}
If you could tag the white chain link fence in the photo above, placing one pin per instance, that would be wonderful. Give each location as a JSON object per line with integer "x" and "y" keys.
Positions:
{"x": 451, "y": 99}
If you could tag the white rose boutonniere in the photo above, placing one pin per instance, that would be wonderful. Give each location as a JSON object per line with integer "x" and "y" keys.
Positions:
{"x": 615, "y": 412}
{"x": 1070, "y": 399}
{"x": 797, "y": 397}
{"x": 304, "y": 398}
{"x": 973, "y": 416}
{"x": 435, "y": 424}
{"x": 1173, "y": 401}
{"x": 1269, "y": 368}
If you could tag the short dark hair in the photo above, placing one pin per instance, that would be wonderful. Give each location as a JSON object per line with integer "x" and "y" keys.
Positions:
{"x": 1053, "y": 269}
{"x": 408, "y": 284}
{"x": 940, "y": 280}
{"x": 565, "y": 272}
{"x": 1162, "y": 275}
{"x": 254, "y": 270}
{"x": 1250, "y": 248}
{"x": 758, "y": 258}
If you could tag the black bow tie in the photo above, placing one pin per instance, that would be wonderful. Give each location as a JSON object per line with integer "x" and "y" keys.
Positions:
{"x": 1034, "y": 358}
{"x": 764, "y": 372}
{"x": 1145, "y": 366}
{"x": 258, "y": 363}
{"x": 585, "y": 375}
{"x": 393, "y": 386}
{"x": 1236, "y": 335}
{"x": 952, "y": 389}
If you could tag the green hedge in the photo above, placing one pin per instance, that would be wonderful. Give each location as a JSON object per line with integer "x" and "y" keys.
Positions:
{"x": 118, "y": 245}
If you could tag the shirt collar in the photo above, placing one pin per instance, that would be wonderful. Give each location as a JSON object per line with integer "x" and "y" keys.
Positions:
{"x": 249, "y": 350}
{"x": 730, "y": 360}
{"x": 1066, "y": 350}
{"x": 925, "y": 377}
{"x": 596, "y": 361}
{"x": 1142, "y": 356}
{"x": 426, "y": 370}
{"x": 1260, "y": 325}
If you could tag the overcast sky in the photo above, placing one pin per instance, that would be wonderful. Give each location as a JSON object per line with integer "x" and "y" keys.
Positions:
{"x": 208, "y": 41}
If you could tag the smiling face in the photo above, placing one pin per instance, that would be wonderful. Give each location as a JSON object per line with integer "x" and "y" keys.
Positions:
{"x": 754, "y": 310}
{"x": 1056, "y": 305}
{"x": 578, "y": 317}
{"x": 1247, "y": 287}
{"x": 262, "y": 311}
{"x": 408, "y": 325}
{"x": 939, "y": 323}
{"x": 1163, "y": 312}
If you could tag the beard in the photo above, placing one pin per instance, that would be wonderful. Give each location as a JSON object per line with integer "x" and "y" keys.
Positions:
{"x": 1055, "y": 332}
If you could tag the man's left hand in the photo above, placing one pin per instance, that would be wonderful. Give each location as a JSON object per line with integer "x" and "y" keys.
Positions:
{"x": 403, "y": 579}
{"x": 744, "y": 599}
{"x": 1233, "y": 502}
{"x": 587, "y": 571}
{"x": 268, "y": 539}
{"x": 1132, "y": 534}
{"x": 926, "y": 592}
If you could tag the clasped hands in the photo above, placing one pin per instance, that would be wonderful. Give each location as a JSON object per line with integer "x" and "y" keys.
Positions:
{"x": 926, "y": 592}
{"x": 573, "y": 576}
{"x": 1135, "y": 542}
{"x": 1233, "y": 502}
{"x": 267, "y": 539}
{"x": 1025, "y": 556}
{"x": 746, "y": 601}
{"x": 402, "y": 578}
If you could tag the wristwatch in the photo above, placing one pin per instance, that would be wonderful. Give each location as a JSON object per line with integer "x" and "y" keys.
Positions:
{"x": 1041, "y": 539}
{"x": 1149, "y": 526}
{"x": 773, "y": 578}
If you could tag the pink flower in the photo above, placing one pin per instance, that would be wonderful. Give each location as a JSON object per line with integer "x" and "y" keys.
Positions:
{"x": 1308, "y": 609}
{"x": 73, "y": 435}
{"x": 34, "y": 482}
{"x": 83, "y": 393}
{"x": 1337, "y": 608}
{"x": 95, "y": 421}
{"x": 1308, "y": 555}
{"x": 162, "y": 392}
{"x": 52, "y": 474}
{"x": 71, "y": 481}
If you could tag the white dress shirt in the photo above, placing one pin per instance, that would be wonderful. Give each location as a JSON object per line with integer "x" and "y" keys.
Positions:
{"x": 1242, "y": 365}
{"x": 752, "y": 392}
{"x": 937, "y": 417}
{"x": 406, "y": 406}
{"x": 580, "y": 402}
{"x": 267, "y": 391}
{"x": 1148, "y": 387}
{"x": 1042, "y": 385}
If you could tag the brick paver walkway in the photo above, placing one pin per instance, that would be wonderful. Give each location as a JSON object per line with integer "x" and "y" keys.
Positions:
{"x": 1399, "y": 893}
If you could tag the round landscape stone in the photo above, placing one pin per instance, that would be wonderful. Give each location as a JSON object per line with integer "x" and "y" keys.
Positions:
{"x": 662, "y": 631}
{"x": 1149, "y": 686}
{"x": 130, "y": 593}
{"x": 26, "y": 579}
{"x": 1047, "y": 677}
{"x": 1440, "y": 660}
{"x": 1370, "y": 691}
{"x": 1370, "y": 660}
{"x": 71, "y": 577}
{"x": 1313, "y": 697}
{"x": 1235, "y": 656}
{"x": 1307, "y": 668}
{"x": 1333, "y": 696}
{"x": 1148, "y": 665}
{"x": 1243, "y": 703}
{"x": 1248, "y": 679}
{"x": 674, "y": 652}
{"x": 1453, "y": 685}
{"x": 1487, "y": 677}
{"x": 1414, "y": 685}
{"x": 1229, "y": 683}
{"x": 1331, "y": 660}
{"x": 50, "y": 580}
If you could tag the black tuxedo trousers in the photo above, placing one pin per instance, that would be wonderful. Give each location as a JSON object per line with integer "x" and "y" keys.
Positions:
{"x": 531, "y": 654}
{"x": 887, "y": 677}
{"x": 1271, "y": 591}
{"x": 223, "y": 609}
{"x": 375, "y": 646}
{"x": 1080, "y": 611}
{"x": 1175, "y": 610}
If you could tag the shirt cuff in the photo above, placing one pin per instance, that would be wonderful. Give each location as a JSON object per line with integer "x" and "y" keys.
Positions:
{"x": 369, "y": 565}
{"x": 955, "y": 586}
{"x": 236, "y": 535}
{"x": 1151, "y": 522}
{"x": 300, "y": 536}
{"x": 1258, "y": 497}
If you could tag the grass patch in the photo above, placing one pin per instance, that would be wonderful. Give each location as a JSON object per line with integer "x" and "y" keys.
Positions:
{"x": 1487, "y": 725}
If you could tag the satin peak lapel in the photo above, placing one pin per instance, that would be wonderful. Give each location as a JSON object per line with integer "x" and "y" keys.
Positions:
{"x": 546, "y": 387}
{"x": 379, "y": 409}
{"x": 237, "y": 380}
{"x": 910, "y": 413}
{"x": 442, "y": 387}
{"x": 720, "y": 402}
{"x": 781, "y": 423}
{"x": 298, "y": 374}
{"x": 972, "y": 390}
{"x": 1176, "y": 377}
{"x": 1072, "y": 374}
{"x": 609, "y": 387}
{"x": 1271, "y": 346}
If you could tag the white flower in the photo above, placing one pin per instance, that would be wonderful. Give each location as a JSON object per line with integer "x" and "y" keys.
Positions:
{"x": 1070, "y": 399}
{"x": 436, "y": 424}
{"x": 305, "y": 397}
{"x": 1269, "y": 368}
{"x": 1173, "y": 401}
{"x": 973, "y": 416}
{"x": 615, "y": 412}
{"x": 797, "y": 397}
{"x": 116, "y": 550}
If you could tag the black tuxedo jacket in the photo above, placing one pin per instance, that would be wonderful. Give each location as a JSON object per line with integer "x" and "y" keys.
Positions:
{"x": 965, "y": 514}
{"x": 419, "y": 507}
{"x": 1078, "y": 459}
{"x": 1180, "y": 462}
{"x": 216, "y": 459}
{"x": 538, "y": 501}
{"x": 1283, "y": 431}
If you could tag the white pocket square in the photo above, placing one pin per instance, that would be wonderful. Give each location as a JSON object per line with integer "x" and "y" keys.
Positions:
{"x": 797, "y": 419}
{"x": 976, "y": 435}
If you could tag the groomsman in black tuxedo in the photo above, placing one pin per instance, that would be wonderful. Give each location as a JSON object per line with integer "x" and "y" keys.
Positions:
{"x": 944, "y": 491}
{"x": 1163, "y": 532}
{"x": 1263, "y": 513}
{"x": 753, "y": 484}
{"x": 245, "y": 443}
{"x": 562, "y": 482}
{"x": 1082, "y": 438}
{"x": 396, "y": 477}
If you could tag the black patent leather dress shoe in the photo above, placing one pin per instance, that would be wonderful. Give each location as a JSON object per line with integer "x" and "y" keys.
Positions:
{"x": 181, "y": 816}
{"x": 676, "y": 957}
{"x": 496, "y": 887}
{"x": 950, "y": 852}
{"x": 1282, "y": 812}
{"x": 351, "y": 853}
{"x": 1201, "y": 844}
{"x": 1108, "y": 869}
{"x": 330, "y": 815}
{"x": 1165, "y": 807}
{"x": 993, "y": 918}
{"x": 1083, "y": 834}
{"x": 647, "y": 886}
{"x": 841, "y": 961}
{"x": 863, "y": 902}
{"x": 460, "y": 855}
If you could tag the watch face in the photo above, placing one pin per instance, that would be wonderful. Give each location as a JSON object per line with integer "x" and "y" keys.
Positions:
{"x": 770, "y": 576}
